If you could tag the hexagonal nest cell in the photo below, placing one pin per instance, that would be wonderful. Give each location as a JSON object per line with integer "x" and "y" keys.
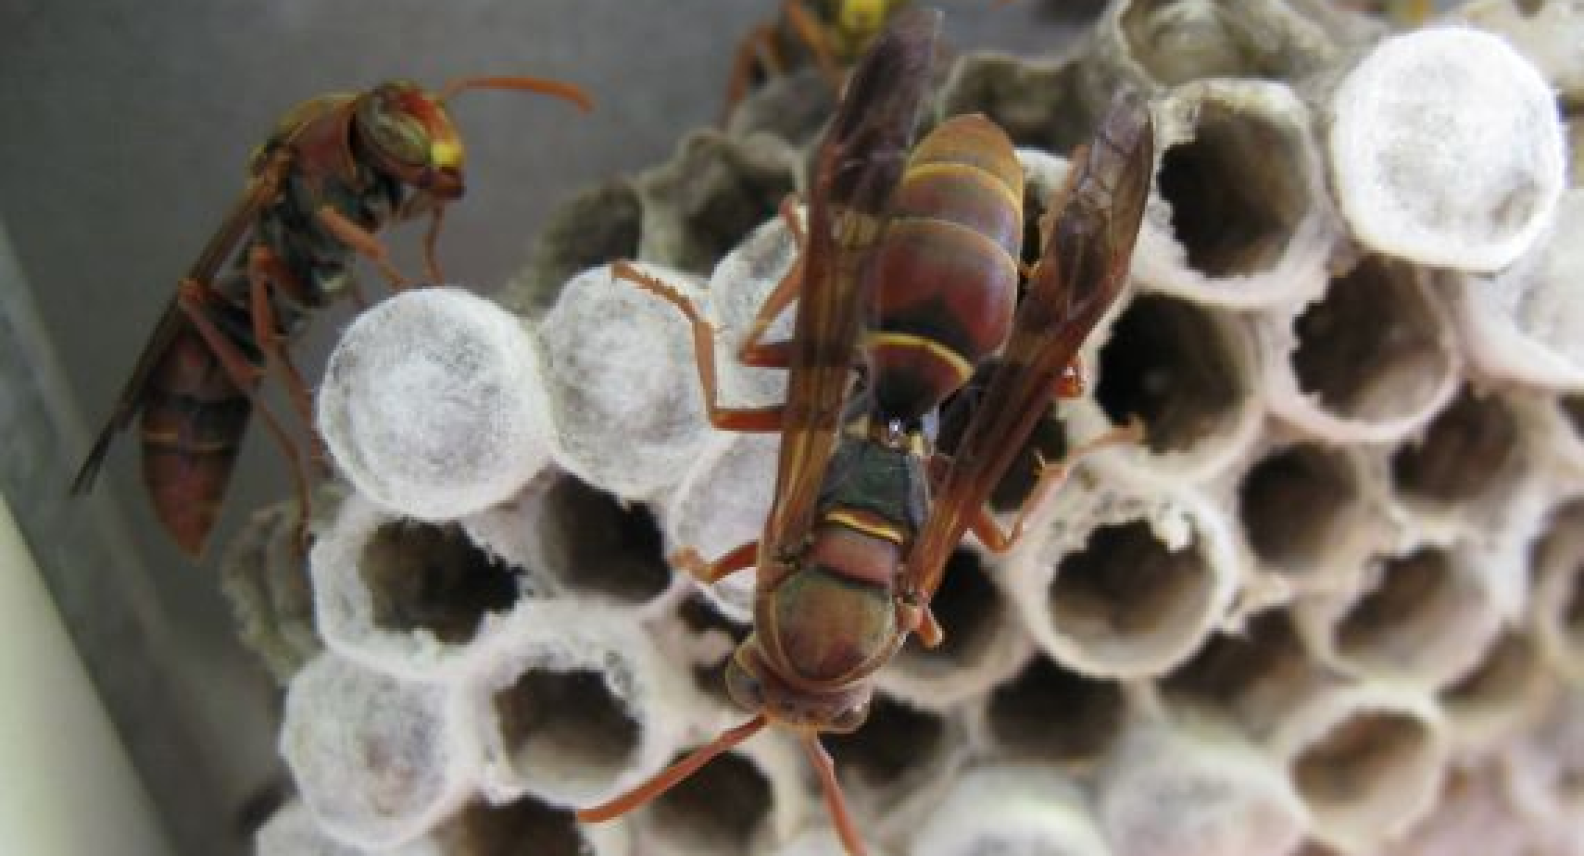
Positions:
{"x": 1364, "y": 758}
{"x": 425, "y": 577}
{"x": 894, "y": 743}
{"x": 1467, "y": 449}
{"x": 1039, "y": 105}
{"x": 1418, "y": 608}
{"x": 1168, "y": 363}
{"x": 1372, "y": 348}
{"x": 1292, "y": 503}
{"x": 1177, "y": 42}
{"x": 1233, "y": 666}
{"x": 1124, "y": 584}
{"x": 1051, "y": 714}
{"x": 523, "y": 827}
{"x": 566, "y": 723}
{"x": 597, "y": 543}
{"x": 717, "y": 809}
{"x": 1235, "y": 205}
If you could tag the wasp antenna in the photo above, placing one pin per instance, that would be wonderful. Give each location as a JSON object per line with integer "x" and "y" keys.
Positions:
{"x": 672, "y": 775}
{"x": 544, "y": 85}
{"x": 834, "y": 801}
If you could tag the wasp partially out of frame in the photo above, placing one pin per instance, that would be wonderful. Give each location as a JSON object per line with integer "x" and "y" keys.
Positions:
{"x": 913, "y": 270}
{"x": 336, "y": 170}
{"x": 829, "y": 34}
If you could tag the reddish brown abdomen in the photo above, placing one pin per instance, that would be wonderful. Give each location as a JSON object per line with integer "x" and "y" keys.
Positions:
{"x": 193, "y": 421}
{"x": 945, "y": 274}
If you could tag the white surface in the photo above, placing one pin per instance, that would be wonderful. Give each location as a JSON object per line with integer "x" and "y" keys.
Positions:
{"x": 68, "y": 788}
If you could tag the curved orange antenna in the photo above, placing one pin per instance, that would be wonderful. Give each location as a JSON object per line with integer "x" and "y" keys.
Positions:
{"x": 834, "y": 801}
{"x": 673, "y": 775}
{"x": 543, "y": 85}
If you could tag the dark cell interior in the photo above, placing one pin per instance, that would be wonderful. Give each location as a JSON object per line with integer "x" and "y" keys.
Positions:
{"x": 1357, "y": 759}
{"x": 1501, "y": 675}
{"x": 1268, "y": 652}
{"x": 1291, "y": 502}
{"x": 524, "y": 827}
{"x": 1370, "y": 348}
{"x": 702, "y": 617}
{"x": 1125, "y": 582}
{"x": 1234, "y": 203}
{"x": 719, "y": 807}
{"x": 1412, "y": 597}
{"x": 572, "y": 713}
{"x": 1465, "y": 450}
{"x": 604, "y": 545}
{"x": 1048, "y": 713}
{"x": 433, "y": 578}
{"x": 1048, "y": 440}
{"x": 1167, "y": 363}
{"x": 894, "y": 741}
{"x": 1573, "y": 409}
{"x": 968, "y": 608}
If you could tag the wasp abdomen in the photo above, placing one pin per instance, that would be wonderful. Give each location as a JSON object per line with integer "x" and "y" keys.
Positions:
{"x": 194, "y": 418}
{"x": 945, "y": 273}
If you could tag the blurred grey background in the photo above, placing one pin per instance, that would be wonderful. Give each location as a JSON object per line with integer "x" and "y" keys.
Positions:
{"x": 125, "y": 128}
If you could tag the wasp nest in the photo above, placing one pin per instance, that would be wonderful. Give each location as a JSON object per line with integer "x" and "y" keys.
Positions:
{"x": 1332, "y": 604}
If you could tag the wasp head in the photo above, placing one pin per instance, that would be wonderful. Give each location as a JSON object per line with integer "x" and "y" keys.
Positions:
{"x": 411, "y": 137}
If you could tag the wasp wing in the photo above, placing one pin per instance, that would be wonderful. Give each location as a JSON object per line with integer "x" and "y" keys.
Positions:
{"x": 1088, "y": 241}
{"x": 261, "y": 190}
{"x": 859, "y": 162}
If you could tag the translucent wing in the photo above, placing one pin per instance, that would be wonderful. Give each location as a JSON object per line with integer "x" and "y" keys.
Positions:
{"x": 1089, "y": 239}
{"x": 222, "y": 244}
{"x": 860, "y": 160}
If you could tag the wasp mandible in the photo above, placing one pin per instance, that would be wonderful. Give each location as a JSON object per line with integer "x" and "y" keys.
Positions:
{"x": 336, "y": 170}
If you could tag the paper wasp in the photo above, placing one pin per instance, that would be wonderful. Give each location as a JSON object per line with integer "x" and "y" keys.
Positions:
{"x": 914, "y": 272}
{"x": 830, "y": 34}
{"x": 336, "y": 170}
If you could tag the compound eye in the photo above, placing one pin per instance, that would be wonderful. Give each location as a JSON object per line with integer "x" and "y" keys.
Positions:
{"x": 851, "y": 719}
{"x": 743, "y": 687}
{"x": 395, "y": 132}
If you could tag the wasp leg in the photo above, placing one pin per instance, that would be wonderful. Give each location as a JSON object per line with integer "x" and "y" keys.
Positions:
{"x": 1051, "y": 477}
{"x": 266, "y": 274}
{"x": 194, "y": 298}
{"x": 812, "y": 35}
{"x": 363, "y": 242}
{"x": 776, "y": 355}
{"x": 431, "y": 241}
{"x": 756, "y": 53}
{"x": 742, "y": 420}
{"x": 688, "y": 559}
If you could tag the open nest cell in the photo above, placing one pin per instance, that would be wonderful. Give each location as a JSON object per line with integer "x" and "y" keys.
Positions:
{"x": 1293, "y": 504}
{"x": 566, "y": 726}
{"x": 597, "y": 543}
{"x": 1052, "y": 714}
{"x": 432, "y": 578}
{"x": 716, "y": 810}
{"x": 1468, "y": 448}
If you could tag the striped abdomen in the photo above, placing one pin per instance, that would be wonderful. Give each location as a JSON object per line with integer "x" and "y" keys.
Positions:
{"x": 193, "y": 420}
{"x": 945, "y": 273}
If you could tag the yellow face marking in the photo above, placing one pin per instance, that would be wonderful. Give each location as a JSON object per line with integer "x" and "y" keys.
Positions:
{"x": 445, "y": 153}
{"x": 862, "y": 17}
{"x": 866, "y": 525}
{"x": 892, "y": 339}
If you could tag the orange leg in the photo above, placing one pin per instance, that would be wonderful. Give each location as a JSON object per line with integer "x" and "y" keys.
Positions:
{"x": 688, "y": 559}
{"x": 194, "y": 299}
{"x": 757, "y": 51}
{"x": 431, "y": 240}
{"x": 776, "y": 355}
{"x": 745, "y": 420}
{"x": 363, "y": 242}
{"x": 1051, "y": 477}
{"x": 812, "y": 34}
{"x": 266, "y": 274}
